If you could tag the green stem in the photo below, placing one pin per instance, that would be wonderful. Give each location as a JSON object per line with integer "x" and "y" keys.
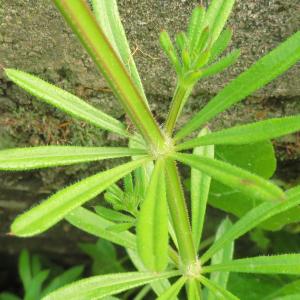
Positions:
{"x": 83, "y": 23}
{"x": 181, "y": 95}
{"x": 179, "y": 215}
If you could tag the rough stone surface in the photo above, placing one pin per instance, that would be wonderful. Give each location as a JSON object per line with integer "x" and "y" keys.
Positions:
{"x": 34, "y": 38}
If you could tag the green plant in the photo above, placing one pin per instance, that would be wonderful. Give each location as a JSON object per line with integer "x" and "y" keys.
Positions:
{"x": 38, "y": 282}
{"x": 156, "y": 204}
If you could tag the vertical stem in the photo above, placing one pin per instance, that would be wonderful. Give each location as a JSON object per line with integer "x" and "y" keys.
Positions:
{"x": 179, "y": 215}
{"x": 83, "y": 23}
{"x": 181, "y": 94}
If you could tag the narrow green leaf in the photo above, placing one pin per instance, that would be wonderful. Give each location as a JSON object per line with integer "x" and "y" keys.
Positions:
{"x": 258, "y": 75}
{"x": 291, "y": 215}
{"x": 35, "y": 287}
{"x": 194, "y": 289}
{"x": 65, "y": 278}
{"x": 217, "y": 15}
{"x": 195, "y": 26}
{"x": 181, "y": 41}
{"x": 25, "y": 269}
{"x": 247, "y": 134}
{"x": 253, "y": 218}
{"x": 8, "y": 296}
{"x": 220, "y": 44}
{"x": 152, "y": 223}
{"x": 222, "y": 256}
{"x": 112, "y": 215}
{"x": 83, "y": 23}
{"x": 288, "y": 289}
{"x": 51, "y": 156}
{"x": 174, "y": 289}
{"x": 107, "y": 15}
{"x": 200, "y": 185}
{"x": 159, "y": 287}
{"x": 178, "y": 211}
{"x": 222, "y": 64}
{"x": 128, "y": 184}
{"x": 279, "y": 264}
{"x": 201, "y": 46}
{"x": 98, "y": 287}
{"x": 169, "y": 49}
{"x": 233, "y": 176}
{"x": 65, "y": 101}
{"x": 142, "y": 293}
{"x": 93, "y": 224}
{"x": 218, "y": 291}
{"x": 289, "y": 297}
{"x": 120, "y": 227}
{"x": 51, "y": 211}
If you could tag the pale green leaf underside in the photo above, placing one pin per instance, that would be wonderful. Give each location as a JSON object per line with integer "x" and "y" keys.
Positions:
{"x": 279, "y": 264}
{"x": 218, "y": 291}
{"x": 54, "y": 209}
{"x": 96, "y": 225}
{"x": 152, "y": 225}
{"x": 65, "y": 101}
{"x": 51, "y": 156}
{"x": 105, "y": 285}
{"x": 107, "y": 15}
{"x": 253, "y": 218}
{"x": 232, "y": 176}
{"x": 200, "y": 185}
{"x": 249, "y": 133}
{"x": 222, "y": 256}
{"x": 258, "y": 75}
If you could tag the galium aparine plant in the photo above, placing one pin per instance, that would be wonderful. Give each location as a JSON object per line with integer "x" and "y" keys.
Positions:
{"x": 150, "y": 218}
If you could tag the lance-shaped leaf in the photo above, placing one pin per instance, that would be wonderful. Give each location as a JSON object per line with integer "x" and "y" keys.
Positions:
{"x": 279, "y": 264}
{"x": 221, "y": 65}
{"x": 159, "y": 287}
{"x": 288, "y": 289}
{"x": 51, "y": 211}
{"x": 65, "y": 101}
{"x": 247, "y": 134}
{"x": 195, "y": 26}
{"x": 152, "y": 224}
{"x": 222, "y": 256}
{"x": 63, "y": 279}
{"x": 93, "y": 224}
{"x": 194, "y": 289}
{"x": 51, "y": 156}
{"x": 98, "y": 287}
{"x": 218, "y": 291}
{"x": 83, "y": 23}
{"x": 258, "y": 75}
{"x": 253, "y": 218}
{"x": 217, "y": 15}
{"x": 220, "y": 44}
{"x": 108, "y": 17}
{"x": 233, "y": 176}
{"x": 112, "y": 215}
{"x": 200, "y": 184}
{"x": 173, "y": 290}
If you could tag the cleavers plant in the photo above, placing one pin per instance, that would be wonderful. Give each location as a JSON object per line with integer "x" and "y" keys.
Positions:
{"x": 153, "y": 201}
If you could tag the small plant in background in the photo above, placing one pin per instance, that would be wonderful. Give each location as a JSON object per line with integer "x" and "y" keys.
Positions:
{"x": 152, "y": 206}
{"x": 38, "y": 282}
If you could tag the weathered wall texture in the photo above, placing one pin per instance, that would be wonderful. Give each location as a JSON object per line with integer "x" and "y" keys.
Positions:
{"x": 34, "y": 38}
